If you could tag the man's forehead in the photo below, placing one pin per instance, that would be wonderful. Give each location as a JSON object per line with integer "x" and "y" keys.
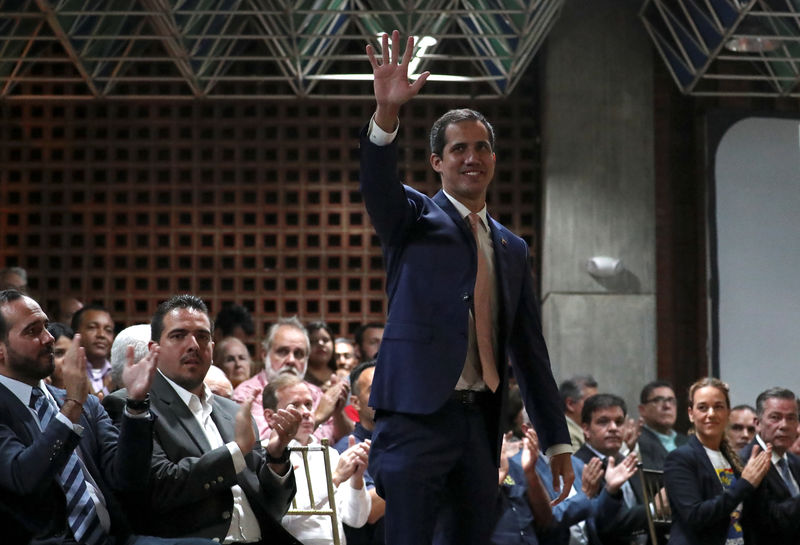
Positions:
{"x": 22, "y": 312}
{"x": 295, "y": 394}
{"x": 187, "y": 318}
{"x": 606, "y": 412}
{"x": 289, "y": 335}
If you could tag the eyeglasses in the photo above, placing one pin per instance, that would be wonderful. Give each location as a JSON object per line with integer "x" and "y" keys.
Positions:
{"x": 660, "y": 400}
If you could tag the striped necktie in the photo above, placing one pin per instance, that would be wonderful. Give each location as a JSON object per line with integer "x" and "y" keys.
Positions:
{"x": 81, "y": 512}
{"x": 483, "y": 311}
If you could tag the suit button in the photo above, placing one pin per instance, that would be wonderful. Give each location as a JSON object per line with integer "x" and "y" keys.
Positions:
{"x": 226, "y": 515}
{"x": 220, "y": 479}
{"x": 206, "y": 486}
{"x": 465, "y": 297}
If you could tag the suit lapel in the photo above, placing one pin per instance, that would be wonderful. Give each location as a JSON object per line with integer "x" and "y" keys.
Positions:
{"x": 444, "y": 203}
{"x": 224, "y": 420}
{"x": 175, "y": 409}
{"x": 20, "y": 413}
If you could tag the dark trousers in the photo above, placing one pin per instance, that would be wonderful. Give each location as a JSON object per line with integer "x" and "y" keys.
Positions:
{"x": 437, "y": 475}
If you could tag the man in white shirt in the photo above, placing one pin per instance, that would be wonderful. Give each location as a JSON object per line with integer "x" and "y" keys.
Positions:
{"x": 210, "y": 476}
{"x": 352, "y": 501}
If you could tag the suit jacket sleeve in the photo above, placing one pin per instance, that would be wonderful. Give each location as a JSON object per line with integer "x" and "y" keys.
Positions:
{"x": 685, "y": 479}
{"x": 773, "y": 508}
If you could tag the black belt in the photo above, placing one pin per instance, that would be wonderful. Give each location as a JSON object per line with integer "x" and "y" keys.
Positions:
{"x": 470, "y": 397}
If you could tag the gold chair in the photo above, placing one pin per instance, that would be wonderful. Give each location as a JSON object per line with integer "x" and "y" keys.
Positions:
{"x": 330, "y": 511}
{"x": 659, "y": 515}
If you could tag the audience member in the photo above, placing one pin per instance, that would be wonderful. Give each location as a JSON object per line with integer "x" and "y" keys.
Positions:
{"x": 704, "y": 478}
{"x": 603, "y": 419}
{"x": 218, "y": 382}
{"x": 772, "y": 515}
{"x": 65, "y": 309}
{"x": 574, "y": 392}
{"x": 233, "y": 321}
{"x": 63, "y": 461}
{"x": 63, "y": 336}
{"x": 351, "y": 501}
{"x": 658, "y": 410}
{"x": 210, "y": 477}
{"x": 345, "y": 354}
{"x": 372, "y": 533}
{"x": 231, "y": 355}
{"x": 136, "y": 336}
{"x": 285, "y": 350}
{"x": 321, "y": 362}
{"x": 14, "y": 278}
{"x": 368, "y": 340}
{"x": 741, "y": 426}
{"x": 96, "y": 328}
{"x": 523, "y": 505}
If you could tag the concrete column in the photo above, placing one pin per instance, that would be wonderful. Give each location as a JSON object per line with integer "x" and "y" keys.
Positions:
{"x": 599, "y": 195}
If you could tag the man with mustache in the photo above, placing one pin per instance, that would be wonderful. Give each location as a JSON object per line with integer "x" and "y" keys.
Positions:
{"x": 96, "y": 328}
{"x": 210, "y": 476}
{"x": 285, "y": 350}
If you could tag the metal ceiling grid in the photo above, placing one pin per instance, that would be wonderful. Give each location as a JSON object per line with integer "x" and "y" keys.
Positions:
{"x": 728, "y": 47}
{"x": 83, "y": 49}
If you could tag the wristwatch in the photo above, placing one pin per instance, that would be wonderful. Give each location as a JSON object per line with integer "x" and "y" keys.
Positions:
{"x": 138, "y": 404}
{"x": 282, "y": 459}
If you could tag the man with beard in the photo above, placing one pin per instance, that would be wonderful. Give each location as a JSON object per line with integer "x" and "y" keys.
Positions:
{"x": 61, "y": 459}
{"x": 285, "y": 350}
{"x": 210, "y": 477}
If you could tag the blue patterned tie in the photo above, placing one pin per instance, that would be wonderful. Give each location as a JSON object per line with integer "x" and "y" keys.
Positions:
{"x": 81, "y": 512}
{"x": 787, "y": 477}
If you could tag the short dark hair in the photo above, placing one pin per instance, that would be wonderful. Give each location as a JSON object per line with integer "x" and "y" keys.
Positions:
{"x": 78, "y": 316}
{"x": 744, "y": 407}
{"x": 573, "y": 388}
{"x": 58, "y": 330}
{"x": 177, "y": 301}
{"x": 601, "y": 401}
{"x": 437, "y": 137}
{"x": 230, "y": 316}
{"x": 269, "y": 397}
{"x": 772, "y": 393}
{"x": 359, "y": 334}
{"x": 644, "y": 396}
{"x": 6, "y": 297}
{"x": 355, "y": 374}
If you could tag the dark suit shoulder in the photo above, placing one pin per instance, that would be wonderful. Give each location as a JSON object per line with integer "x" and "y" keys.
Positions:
{"x": 584, "y": 454}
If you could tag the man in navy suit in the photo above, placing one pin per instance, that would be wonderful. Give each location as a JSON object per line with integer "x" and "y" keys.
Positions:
{"x": 772, "y": 514}
{"x": 44, "y": 430}
{"x": 440, "y": 384}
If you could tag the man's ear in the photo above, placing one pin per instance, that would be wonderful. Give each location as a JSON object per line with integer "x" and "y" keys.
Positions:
{"x": 354, "y": 402}
{"x": 436, "y": 162}
{"x": 268, "y": 413}
{"x": 585, "y": 430}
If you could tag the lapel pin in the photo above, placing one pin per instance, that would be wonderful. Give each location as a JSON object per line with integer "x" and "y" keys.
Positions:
{"x": 504, "y": 242}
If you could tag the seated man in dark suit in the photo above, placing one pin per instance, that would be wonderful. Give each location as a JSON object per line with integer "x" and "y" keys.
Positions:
{"x": 210, "y": 477}
{"x": 772, "y": 514}
{"x": 658, "y": 409}
{"x": 603, "y": 418}
{"x": 62, "y": 461}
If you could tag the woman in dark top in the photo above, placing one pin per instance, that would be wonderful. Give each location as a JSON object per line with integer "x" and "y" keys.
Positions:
{"x": 704, "y": 478}
{"x": 321, "y": 359}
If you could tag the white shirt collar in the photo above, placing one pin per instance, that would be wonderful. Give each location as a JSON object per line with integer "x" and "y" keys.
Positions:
{"x": 22, "y": 390}
{"x": 464, "y": 211}
{"x": 775, "y": 456}
{"x": 186, "y": 396}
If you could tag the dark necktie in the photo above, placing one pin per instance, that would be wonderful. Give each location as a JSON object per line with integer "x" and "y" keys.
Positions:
{"x": 81, "y": 512}
{"x": 787, "y": 477}
{"x": 483, "y": 311}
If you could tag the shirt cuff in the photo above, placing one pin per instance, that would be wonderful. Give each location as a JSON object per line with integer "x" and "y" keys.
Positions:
{"x": 558, "y": 449}
{"x": 237, "y": 456}
{"x": 380, "y": 137}
{"x": 77, "y": 428}
{"x": 140, "y": 416}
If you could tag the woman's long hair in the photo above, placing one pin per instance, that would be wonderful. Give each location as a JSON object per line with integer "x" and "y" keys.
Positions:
{"x": 725, "y": 447}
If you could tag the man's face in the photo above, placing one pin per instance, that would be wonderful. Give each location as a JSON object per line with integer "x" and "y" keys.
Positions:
{"x": 604, "y": 433}
{"x": 288, "y": 353}
{"x": 370, "y": 343}
{"x": 97, "y": 334}
{"x": 575, "y": 407}
{"x": 467, "y": 162}
{"x": 741, "y": 428}
{"x": 300, "y": 396}
{"x": 366, "y": 414}
{"x": 186, "y": 348}
{"x": 345, "y": 358}
{"x": 13, "y": 281}
{"x": 660, "y": 410}
{"x": 27, "y": 354}
{"x": 778, "y": 423}
{"x": 235, "y": 361}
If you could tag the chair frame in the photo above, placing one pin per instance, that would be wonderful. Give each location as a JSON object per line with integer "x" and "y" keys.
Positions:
{"x": 652, "y": 480}
{"x": 331, "y": 510}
